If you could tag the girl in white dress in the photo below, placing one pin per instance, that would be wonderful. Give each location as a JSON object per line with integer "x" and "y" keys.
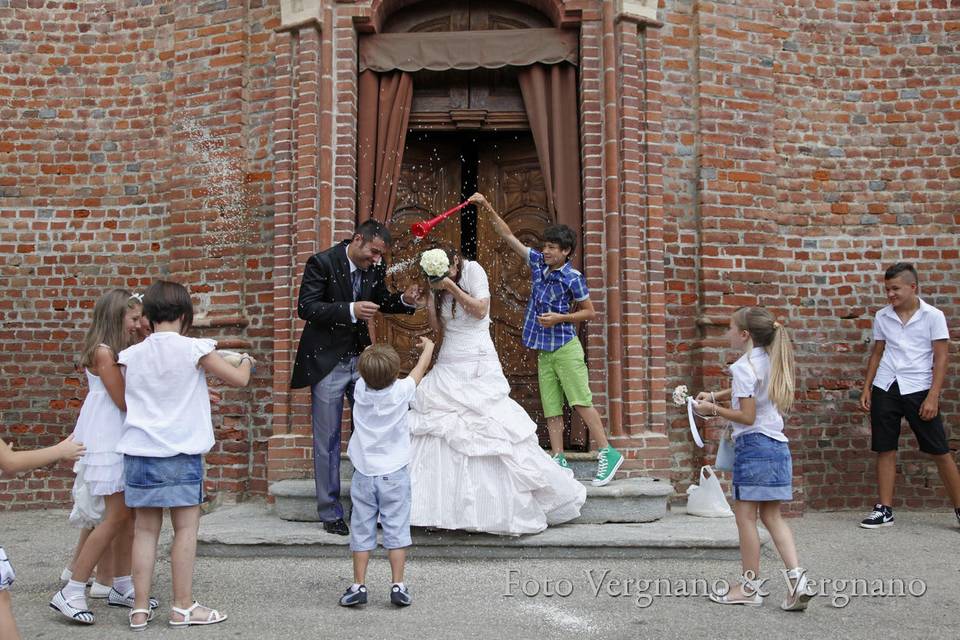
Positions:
{"x": 477, "y": 464}
{"x": 88, "y": 508}
{"x": 99, "y": 427}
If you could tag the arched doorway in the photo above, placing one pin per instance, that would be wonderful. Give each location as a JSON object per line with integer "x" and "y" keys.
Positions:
{"x": 469, "y": 129}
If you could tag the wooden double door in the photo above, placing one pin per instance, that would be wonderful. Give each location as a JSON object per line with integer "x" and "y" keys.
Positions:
{"x": 440, "y": 170}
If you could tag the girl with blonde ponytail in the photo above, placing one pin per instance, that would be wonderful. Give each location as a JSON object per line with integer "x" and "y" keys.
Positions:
{"x": 762, "y": 391}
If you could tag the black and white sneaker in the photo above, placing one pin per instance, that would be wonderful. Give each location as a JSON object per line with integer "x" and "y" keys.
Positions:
{"x": 400, "y": 596}
{"x": 881, "y": 516}
{"x": 956, "y": 512}
{"x": 352, "y": 598}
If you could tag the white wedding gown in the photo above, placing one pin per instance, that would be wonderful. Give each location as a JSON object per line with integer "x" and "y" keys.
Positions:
{"x": 476, "y": 462}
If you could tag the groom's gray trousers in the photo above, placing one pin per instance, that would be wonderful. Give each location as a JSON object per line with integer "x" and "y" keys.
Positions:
{"x": 326, "y": 411}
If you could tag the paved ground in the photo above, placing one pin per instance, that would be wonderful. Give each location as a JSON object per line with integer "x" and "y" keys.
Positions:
{"x": 294, "y": 598}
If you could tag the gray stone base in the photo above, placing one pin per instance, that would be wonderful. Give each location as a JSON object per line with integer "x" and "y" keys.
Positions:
{"x": 252, "y": 529}
{"x": 629, "y": 500}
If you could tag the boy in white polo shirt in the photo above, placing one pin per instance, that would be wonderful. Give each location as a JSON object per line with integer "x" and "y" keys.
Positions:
{"x": 905, "y": 376}
{"x": 380, "y": 452}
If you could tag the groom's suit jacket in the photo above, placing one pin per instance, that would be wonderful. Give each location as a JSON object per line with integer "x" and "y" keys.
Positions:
{"x": 330, "y": 336}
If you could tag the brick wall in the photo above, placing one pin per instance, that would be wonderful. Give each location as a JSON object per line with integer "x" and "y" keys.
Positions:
{"x": 772, "y": 152}
{"x": 808, "y": 146}
{"x": 135, "y": 144}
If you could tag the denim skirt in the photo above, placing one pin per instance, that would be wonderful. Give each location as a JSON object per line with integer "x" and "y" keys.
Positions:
{"x": 762, "y": 469}
{"x": 176, "y": 481}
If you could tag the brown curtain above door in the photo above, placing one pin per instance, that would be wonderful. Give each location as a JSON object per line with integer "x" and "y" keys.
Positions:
{"x": 550, "y": 98}
{"x": 441, "y": 51}
{"x": 385, "y": 100}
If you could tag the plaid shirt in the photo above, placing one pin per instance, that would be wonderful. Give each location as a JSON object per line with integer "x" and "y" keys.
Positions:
{"x": 553, "y": 291}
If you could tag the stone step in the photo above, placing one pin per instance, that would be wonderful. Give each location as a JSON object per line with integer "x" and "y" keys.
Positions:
{"x": 253, "y": 530}
{"x": 627, "y": 500}
{"x": 583, "y": 464}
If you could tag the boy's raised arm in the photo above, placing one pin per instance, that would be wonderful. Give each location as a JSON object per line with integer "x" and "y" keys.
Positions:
{"x": 420, "y": 370}
{"x": 501, "y": 227}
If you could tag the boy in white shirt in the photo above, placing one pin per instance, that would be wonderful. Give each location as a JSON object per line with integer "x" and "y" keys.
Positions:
{"x": 905, "y": 376}
{"x": 380, "y": 452}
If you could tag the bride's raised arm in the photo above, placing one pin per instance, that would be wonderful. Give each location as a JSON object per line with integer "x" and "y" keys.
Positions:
{"x": 476, "y": 281}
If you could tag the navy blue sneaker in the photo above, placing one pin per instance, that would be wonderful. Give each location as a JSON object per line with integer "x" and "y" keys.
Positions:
{"x": 352, "y": 598}
{"x": 400, "y": 596}
{"x": 881, "y": 516}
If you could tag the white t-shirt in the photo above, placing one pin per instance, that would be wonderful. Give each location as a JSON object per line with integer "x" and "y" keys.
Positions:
{"x": 380, "y": 443}
{"x": 751, "y": 377}
{"x": 168, "y": 407}
{"x": 908, "y": 353}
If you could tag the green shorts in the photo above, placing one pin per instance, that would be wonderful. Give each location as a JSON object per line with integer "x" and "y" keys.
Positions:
{"x": 563, "y": 373}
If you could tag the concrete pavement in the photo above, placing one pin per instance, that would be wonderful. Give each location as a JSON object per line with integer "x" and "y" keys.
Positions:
{"x": 295, "y": 598}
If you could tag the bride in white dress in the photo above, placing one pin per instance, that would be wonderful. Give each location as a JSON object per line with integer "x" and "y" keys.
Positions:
{"x": 476, "y": 462}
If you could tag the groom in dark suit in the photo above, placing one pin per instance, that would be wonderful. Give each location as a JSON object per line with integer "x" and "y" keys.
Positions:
{"x": 342, "y": 288}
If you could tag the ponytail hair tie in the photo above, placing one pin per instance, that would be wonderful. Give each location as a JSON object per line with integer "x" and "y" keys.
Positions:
{"x": 137, "y": 296}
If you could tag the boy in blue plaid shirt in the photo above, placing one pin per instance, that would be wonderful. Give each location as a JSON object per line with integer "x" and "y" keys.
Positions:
{"x": 550, "y": 328}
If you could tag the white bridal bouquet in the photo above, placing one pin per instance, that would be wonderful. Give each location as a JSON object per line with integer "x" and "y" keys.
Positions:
{"x": 681, "y": 398}
{"x": 680, "y": 395}
{"x": 435, "y": 264}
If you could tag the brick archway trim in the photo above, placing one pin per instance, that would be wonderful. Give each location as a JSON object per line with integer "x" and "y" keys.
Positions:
{"x": 371, "y": 20}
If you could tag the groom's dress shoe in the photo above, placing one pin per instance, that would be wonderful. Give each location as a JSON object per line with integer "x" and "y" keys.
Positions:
{"x": 338, "y": 527}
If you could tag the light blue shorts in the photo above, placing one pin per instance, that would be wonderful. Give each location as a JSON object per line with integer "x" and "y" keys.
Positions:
{"x": 762, "y": 469}
{"x": 386, "y": 496}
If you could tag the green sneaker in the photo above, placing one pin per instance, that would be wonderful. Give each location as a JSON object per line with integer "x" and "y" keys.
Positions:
{"x": 561, "y": 460}
{"x": 608, "y": 461}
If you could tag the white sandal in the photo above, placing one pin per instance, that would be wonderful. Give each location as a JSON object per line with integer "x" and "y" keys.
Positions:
{"x": 212, "y": 618}
{"x": 142, "y": 625}
{"x": 799, "y": 592}
{"x": 749, "y": 586}
{"x": 61, "y": 604}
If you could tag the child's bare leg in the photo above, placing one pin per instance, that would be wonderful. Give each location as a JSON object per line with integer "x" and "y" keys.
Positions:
{"x": 84, "y": 534}
{"x": 591, "y": 417}
{"x": 950, "y": 476}
{"x": 780, "y": 532}
{"x": 398, "y": 558}
{"x": 105, "y": 570}
{"x": 121, "y": 553}
{"x": 746, "y": 516}
{"x": 8, "y": 626}
{"x": 115, "y": 519}
{"x": 183, "y": 554}
{"x": 145, "y": 536}
{"x": 555, "y": 429}
{"x": 360, "y": 561}
{"x": 886, "y": 475}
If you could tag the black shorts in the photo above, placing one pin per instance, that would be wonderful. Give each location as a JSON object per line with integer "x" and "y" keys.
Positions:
{"x": 888, "y": 408}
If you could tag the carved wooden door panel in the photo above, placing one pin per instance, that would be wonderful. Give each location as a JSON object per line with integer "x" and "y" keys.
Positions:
{"x": 509, "y": 175}
{"x": 429, "y": 184}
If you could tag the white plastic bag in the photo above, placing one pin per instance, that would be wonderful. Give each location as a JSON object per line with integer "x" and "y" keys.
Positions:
{"x": 87, "y": 508}
{"x": 707, "y": 499}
